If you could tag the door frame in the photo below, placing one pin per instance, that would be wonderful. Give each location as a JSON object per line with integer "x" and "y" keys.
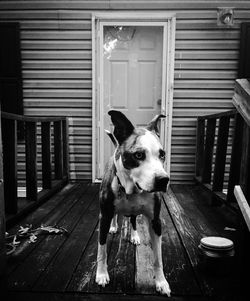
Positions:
{"x": 166, "y": 20}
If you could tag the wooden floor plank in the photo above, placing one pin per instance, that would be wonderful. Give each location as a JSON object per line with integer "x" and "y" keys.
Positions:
{"x": 189, "y": 235}
{"x": 193, "y": 224}
{"x": 120, "y": 264}
{"x": 59, "y": 296}
{"x": 217, "y": 217}
{"x": 38, "y": 260}
{"x": 230, "y": 278}
{"x": 64, "y": 263}
{"x": 196, "y": 204}
{"x": 51, "y": 215}
{"x": 36, "y": 217}
{"x": 121, "y": 260}
{"x": 86, "y": 268}
{"x": 144, "y": 277}
{"x": 63, "y": 267}
{"x": 177, "y": 267}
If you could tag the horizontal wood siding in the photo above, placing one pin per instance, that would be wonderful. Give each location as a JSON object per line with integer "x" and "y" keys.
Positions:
{"x": 57, "y": 68}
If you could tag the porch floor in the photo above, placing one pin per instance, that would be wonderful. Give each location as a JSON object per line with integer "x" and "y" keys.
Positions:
{"x": 62, "y": 267}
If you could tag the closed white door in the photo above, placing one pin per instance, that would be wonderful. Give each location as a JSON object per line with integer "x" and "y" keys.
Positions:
{"x": 132, "y": 76}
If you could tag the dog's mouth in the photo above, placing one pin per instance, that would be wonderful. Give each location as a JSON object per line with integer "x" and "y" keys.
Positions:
{"x": 138, "y": 187}
{"x": 141, "y": 189}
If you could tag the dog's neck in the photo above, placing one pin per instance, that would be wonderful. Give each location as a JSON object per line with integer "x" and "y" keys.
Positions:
{"x": 124, "y": 178}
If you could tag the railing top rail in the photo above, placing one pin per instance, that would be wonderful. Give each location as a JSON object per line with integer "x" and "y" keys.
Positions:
{"x": 218, "y": 115}
{"x": 31, "y": 118}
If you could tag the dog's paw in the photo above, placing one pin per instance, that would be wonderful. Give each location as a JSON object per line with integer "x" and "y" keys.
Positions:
{"x": 135, "y": 238}
{"x": 162, "y": 287}
{"x": 113, "y": 229}
{"x": 102, "y": 279}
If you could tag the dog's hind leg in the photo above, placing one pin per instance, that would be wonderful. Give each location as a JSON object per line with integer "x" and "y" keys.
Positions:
{"x": 114, "y": 225}
{"x": 135, "y": 239}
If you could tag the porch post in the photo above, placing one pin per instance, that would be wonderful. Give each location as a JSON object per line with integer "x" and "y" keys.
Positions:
{"x": 2, "y": 212}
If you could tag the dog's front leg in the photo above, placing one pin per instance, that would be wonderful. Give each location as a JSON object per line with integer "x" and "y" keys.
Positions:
{"x": 135, "y": 239}
{"x": 114, "y": 225}
{"x": 102, "y": 276}
{"x": 161, "y": 283}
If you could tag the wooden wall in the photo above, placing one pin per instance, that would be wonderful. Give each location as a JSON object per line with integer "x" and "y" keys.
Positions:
{"x": 56, "y": 65}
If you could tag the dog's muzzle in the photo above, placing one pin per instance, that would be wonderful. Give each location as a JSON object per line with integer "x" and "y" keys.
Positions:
{"x": 161, "y": 184}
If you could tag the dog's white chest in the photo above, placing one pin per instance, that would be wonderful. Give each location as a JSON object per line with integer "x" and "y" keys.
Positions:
{"x": 134, "y": 204}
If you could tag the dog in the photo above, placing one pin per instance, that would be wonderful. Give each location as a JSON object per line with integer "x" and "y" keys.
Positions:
{"x": 132, "y": 184}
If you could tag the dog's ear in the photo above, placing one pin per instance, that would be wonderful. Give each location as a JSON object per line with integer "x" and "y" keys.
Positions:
{"x": 123, "y": 127}
{"x": 153, "y": 124}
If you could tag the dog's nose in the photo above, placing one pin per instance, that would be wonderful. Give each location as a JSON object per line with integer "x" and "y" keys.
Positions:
{"x": 161, "y": 183}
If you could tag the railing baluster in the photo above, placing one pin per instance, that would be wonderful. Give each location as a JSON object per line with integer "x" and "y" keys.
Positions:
{"x": 46, "y": 155}
{"x": 245, "y": 162}
{"x": 234, "y": 174}
{"x": 199, "y": 146}
{"x": 221, "y": 153}
{"x": 50, "y": 187}
{"x": 31, "y": 160}
{"x": 208, "y": 154}
{"x": 239, "y": 173}
{"x": 58, "y": 154}
{"x": 9, "y": 136}
{"x": 65, "y": 148}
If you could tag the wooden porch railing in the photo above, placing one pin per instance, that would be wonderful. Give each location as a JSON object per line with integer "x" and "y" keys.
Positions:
{"x": 49, "y": 184}
{"x": 215, "y": 152}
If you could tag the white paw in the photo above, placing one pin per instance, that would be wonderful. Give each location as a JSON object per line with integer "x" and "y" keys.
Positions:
{"x": 162, "y": 287}
{"x": 113, "y": 229}
{"x": 135, "y": 238}
{"x": 102, "y": 278}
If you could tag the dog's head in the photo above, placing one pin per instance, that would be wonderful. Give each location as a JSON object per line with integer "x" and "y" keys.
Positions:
{"x": 139, "y": 156}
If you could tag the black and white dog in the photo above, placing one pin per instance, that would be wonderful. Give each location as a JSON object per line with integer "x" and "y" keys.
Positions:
{"x": 132, "y": 182}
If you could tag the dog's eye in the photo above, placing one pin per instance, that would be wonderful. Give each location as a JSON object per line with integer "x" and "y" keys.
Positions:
{"x": 139, "y": 155}
{"x": 162, "y": 155}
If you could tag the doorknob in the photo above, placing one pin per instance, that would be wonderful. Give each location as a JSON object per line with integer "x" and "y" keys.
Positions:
{"x": 159, "y": 102}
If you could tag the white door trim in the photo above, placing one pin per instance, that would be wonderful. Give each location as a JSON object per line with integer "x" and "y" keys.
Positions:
{"x": 99, "y": 19}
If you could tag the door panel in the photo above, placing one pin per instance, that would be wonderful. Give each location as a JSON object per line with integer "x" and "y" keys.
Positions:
{"x": 147, "y": 74}
{"x": 132, "y": 76}
{"x": 118, "y": 88}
